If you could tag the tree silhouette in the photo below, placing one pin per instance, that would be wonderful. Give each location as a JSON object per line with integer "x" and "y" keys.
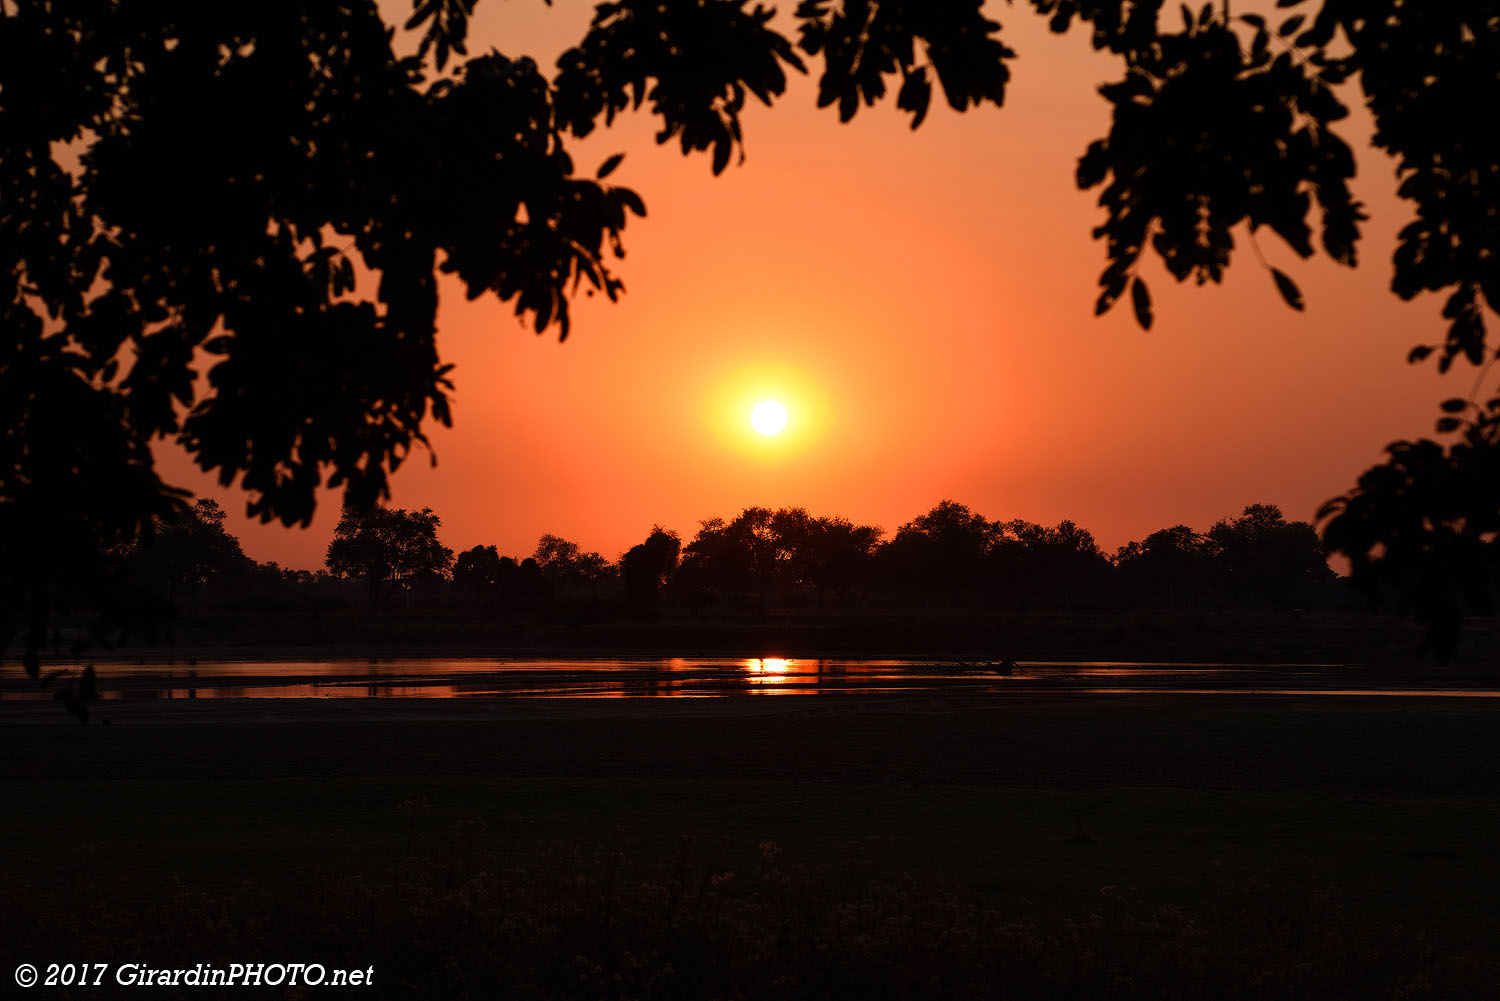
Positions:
{"x": 713, "y": 566}
{"x": 522, "y": 585}
{"x": 1170, "y": 565}
{"x": 1265, "y": 558}
{"x": 834, "y": 555}
{"x": 267, "y": 190}
{"x": 768, "y": 560}
{"x": 768, "y": 553}
{"x": 478, "y": 572}
{"x": 646, "y": 566}
{"x": 568, "y": 567}
{"x": 557, "y": 557}
{"x": 190, "y": 550}
{"x": 1422, "y": 527}
{"x": 756, "y": 553}
{"x": 945, "y": 549}
{"x": 388, "y": 547}
{"x": 593, "y": 571}
{"x": 1049, "y": 566}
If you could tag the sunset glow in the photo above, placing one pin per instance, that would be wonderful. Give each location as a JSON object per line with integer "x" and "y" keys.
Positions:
{"x": 919, "y": 355}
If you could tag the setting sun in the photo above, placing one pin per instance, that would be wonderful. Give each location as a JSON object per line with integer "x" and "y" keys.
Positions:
{"x": 768, "y": 417}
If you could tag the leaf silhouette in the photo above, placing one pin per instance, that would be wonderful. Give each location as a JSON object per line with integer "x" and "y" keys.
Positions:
{"x": 916, "y": 94}
{"x": 1288, "y": 289}
{"x": 1140, "y": 298}
{"x": 608, "y": 166}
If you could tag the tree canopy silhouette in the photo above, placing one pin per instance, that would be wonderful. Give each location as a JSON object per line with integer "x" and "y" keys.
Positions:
{"x": 190, "y": 551}
{"x": 1263, "y": 553}
{"x": 647, "y": 565}
{"x": 388, "y": 547}
{"x": 945, "y": 548}
{"x": 567, "y": 566}
{"x": 478, "y": 571}
{"x": 1170, "y": 564}
{"x": 264, "y": 193}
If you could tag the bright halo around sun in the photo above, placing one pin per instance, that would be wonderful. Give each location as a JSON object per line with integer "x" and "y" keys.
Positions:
{"x": 768, "y": 417}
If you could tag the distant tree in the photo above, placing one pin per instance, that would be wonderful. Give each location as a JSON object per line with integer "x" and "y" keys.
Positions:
{"x": 558, "y": 559}
{"x": 1169, "y": 565}
{"x": 944, "y": 550}
{"x": 713, "y": 561}
{"x": 1265, "y": 558}
{"x": 189, "y": 550}
{"x": 1053, "y": 567}
{"x": 791, "y": 529}
{"x": 571, "y": 570}
{"x": 756, "y": 536}
{"x": 593, "y": 571}
{"x": 477, "y": 572}
{"x": 711, "y": 567}
{"x": 388, "y": 547}
{"x": 647, "y": 566}
{"x": 753, "y": 554}
{"x": 523, "y": 585}
{"x": 834, "y": 555}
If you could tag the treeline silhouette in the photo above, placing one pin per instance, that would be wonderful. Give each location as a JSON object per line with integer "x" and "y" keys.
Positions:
{"x": 762, "y": 561}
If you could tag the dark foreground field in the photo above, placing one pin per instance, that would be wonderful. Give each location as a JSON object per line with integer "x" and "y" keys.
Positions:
{"x": 1032, "y": 846}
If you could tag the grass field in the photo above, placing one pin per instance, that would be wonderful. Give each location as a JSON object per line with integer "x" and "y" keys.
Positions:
{"x": 1032, "y": 846}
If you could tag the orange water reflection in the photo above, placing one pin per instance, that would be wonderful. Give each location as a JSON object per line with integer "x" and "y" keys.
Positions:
{"x": 680, "y": 677}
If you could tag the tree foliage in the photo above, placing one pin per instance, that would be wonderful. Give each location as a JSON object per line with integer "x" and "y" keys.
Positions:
{"x": 647, "y": 566}
{"x": 190, "y": 550}
{"x": 945, "y": 548}
{"x": 224, "y": 223}
{"x": 772, "y": 552}
{"x": 1057, "y": 566}
{"x": 478, "y": 570}
{"x": 1423, "y": 526}
{"x": 388, "y": 547}
{"x": 568, "y": 567}
{"x": 488, "y": 578}
{"x": 1171, "y": 565}
{"x": 1262, "y": 552}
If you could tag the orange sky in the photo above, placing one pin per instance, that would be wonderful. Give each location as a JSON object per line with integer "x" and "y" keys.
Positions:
{"x": 922, "y": 302}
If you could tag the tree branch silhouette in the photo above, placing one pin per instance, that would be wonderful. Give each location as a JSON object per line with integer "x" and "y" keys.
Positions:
{"x": 170, "y": 174}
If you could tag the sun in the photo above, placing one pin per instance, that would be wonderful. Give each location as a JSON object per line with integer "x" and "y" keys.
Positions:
{"x": 768, "y": 417}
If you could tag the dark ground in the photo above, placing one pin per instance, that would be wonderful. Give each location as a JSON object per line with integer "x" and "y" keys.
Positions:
{"x": 1038, "y": 807}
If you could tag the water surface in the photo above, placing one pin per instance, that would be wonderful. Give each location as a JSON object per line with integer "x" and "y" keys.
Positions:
{"x": 438, "y": 677}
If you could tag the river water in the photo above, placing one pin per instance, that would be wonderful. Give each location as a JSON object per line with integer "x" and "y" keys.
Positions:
{"x": 437, "y": 677}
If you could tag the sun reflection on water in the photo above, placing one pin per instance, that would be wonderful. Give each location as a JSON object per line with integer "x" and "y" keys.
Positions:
{"x": 765, "y": 671}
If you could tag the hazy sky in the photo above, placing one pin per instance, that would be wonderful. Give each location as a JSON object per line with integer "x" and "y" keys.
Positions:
{"x": 922, "y": 303}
